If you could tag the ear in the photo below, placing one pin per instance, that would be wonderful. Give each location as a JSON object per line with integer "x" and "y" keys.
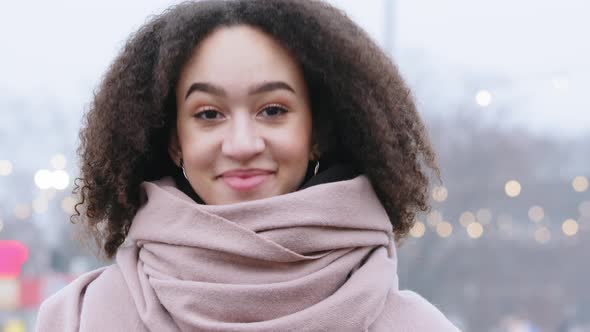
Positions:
{"x": 174, "y": 147}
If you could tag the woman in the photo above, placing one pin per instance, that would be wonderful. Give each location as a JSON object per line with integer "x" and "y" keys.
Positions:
{"x": 249, "y": 163}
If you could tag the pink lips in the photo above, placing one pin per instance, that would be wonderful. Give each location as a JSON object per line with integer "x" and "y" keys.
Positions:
{"x": 245, "y": 179}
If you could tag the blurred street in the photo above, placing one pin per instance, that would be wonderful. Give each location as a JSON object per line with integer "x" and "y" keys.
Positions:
{"x": 502, "y": 87}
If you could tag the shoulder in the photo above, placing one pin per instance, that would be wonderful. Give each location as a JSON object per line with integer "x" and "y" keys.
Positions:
{"x": 60, "y": 311}
{"x": 108, "y": 304}
{"x": 108, "y": 286}
{"x": 407, "y": 311}
{"x": 93, "y": 298}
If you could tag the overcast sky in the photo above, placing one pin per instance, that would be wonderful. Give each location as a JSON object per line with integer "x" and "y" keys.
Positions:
{"x": 59, "y": 49}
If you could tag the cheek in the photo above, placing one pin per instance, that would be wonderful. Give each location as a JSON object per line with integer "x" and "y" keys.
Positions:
{"x": 198, "y": 148}
{"x": 293, "y": 145}
{"x": 295, "y": 153}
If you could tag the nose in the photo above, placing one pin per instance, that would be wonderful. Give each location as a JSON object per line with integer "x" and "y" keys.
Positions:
{"x": 242, "y": 142}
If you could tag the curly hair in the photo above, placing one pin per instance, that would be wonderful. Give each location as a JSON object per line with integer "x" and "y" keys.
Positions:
{"x": 362, "y": 111}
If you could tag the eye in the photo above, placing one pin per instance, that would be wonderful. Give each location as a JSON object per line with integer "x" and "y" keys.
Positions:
{"x": 209, "y": 115}
{"x": 273, "y": 111}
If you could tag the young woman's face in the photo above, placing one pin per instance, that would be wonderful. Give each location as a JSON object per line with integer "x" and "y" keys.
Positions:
{"x": 244, "y": 120}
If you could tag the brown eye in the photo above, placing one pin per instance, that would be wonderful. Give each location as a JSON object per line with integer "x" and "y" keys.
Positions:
{"x": 209, "y": 115}
{"x": 273, "y": 111}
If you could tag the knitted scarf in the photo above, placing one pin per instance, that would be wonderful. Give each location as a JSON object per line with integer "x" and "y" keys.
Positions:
{"x": 318, "y": 259}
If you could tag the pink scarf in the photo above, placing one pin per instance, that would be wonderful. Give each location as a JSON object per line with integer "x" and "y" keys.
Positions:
{"x": 318, "y": 259}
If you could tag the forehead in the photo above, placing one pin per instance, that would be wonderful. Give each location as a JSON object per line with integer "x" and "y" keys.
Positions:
{"x": 240, "y": 55}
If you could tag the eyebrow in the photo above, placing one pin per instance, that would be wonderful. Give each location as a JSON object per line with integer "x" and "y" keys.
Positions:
{"x": 257, "y": 89}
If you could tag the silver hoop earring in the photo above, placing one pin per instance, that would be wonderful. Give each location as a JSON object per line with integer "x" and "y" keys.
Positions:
{"x": 182, "y": 166}
{"x": 317, "y": 167}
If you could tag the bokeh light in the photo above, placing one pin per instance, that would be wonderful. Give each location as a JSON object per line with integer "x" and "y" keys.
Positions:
{"x": 512, "y": 188}
{"x": 536, "y": 213}
{"x": 475, "y": 230}
{"x": 14, "y": 325}
{"x": 466, "y": 218}
{"x": 433, "y": 218}
{"x": 418, "y": 229}
{"x": 580, "y": 183}
{"x": 58, "y": 162}
{"x": 444, "y": 229}
{"x": 542, "y": 235}
{"x": 569, "y": 227}
{"x": 483, "y": 98}
{"x": 68, "y": 204}
{"x": 484, "y": 216}
{"x": 22, "y": 211}
{"x": 43, "y": 179}
{"x": 5, "y": 167}
{"x": 61, "y": 180}
{"x": 440, "y": 194}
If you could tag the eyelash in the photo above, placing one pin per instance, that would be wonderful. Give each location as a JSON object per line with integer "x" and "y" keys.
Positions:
{"x": 282, "y": 109}
{"x": 200, "y": 114}
{"x": 277, "y": 106}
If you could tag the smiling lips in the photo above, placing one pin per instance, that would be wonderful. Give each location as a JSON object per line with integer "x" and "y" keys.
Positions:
{"x": 245, "y": 179}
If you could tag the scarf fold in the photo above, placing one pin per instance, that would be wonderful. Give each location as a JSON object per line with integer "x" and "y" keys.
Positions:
{"x": 318, "y": 259}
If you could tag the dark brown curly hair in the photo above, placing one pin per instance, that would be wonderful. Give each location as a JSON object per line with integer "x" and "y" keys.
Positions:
{"x": 362, "y": 111}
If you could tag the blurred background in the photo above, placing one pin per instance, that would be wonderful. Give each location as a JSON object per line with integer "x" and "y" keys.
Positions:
{"x": 502, "y": 86}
